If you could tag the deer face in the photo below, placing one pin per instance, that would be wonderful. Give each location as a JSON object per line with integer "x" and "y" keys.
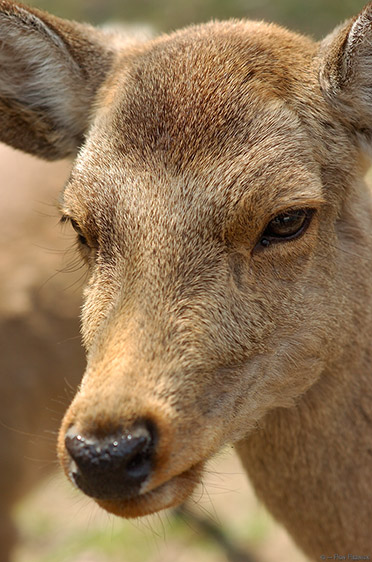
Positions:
{"x": 201, "y": 212}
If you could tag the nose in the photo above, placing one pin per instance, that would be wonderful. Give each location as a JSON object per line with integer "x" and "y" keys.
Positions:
{"x": 113, "y": 466}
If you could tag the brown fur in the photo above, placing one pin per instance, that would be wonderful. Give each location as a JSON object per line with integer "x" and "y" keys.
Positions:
{"x": 194, "y": 142}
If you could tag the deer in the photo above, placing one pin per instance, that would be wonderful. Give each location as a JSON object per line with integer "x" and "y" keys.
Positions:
{"x": 219, "y": 202}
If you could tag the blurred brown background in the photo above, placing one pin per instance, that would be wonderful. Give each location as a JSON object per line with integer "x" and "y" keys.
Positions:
{"x": 41, "y": 360}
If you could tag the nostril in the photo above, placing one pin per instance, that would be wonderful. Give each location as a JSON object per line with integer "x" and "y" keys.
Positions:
{"x": 113, "y": 466}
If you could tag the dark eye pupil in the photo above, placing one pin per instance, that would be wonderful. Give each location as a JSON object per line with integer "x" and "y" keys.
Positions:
{"x": 82, "y": 239}
{"x": 286, "y": 224}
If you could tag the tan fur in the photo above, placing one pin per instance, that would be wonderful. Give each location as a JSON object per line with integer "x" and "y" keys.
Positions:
{"x": 194, "y": 142}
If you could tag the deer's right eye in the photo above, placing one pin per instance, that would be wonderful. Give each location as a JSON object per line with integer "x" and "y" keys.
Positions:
{"x": 82, "y": 239}
{"x": 75, "y": 225}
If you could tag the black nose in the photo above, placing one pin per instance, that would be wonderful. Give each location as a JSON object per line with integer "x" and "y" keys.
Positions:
{"x": 114, "y": 466}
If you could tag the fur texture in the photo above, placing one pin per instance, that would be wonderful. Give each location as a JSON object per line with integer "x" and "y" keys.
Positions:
{"x": 193, "y": 318}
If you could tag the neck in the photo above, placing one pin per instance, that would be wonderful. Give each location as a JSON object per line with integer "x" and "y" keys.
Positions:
{"x": 312, "y": 464}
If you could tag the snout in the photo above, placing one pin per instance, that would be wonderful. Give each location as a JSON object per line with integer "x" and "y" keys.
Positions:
{"x": 131, "y": 468}
{"x": 142, "y": 425}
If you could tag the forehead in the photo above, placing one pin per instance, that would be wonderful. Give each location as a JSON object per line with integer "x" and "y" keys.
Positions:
{"x": 204, "y": 89}
{"x": 216, "y": 102}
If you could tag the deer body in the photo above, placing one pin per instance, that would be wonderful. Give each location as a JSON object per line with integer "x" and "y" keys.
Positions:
{"x": 219, "y": 203}
{"x": 38, "y": 328}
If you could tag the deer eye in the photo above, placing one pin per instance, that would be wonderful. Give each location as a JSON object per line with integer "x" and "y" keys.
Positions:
{"x": 286, "y": 226}
{"x": 82, "y": 239}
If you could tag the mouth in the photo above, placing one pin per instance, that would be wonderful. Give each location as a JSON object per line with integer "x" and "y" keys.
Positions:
{"x": 122, "y": 473}
{"x": 171, "y": 493}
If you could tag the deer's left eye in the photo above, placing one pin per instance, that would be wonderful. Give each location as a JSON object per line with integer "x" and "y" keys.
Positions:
{"x": 286, "y": 226}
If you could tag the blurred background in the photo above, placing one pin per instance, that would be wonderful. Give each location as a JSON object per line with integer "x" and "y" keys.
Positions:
{"x": 41, "y": 360}
{"x": 315, "y": 17}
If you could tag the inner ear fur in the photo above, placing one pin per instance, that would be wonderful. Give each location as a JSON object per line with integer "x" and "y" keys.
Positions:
{"x": 50, "y": 71}
{"x": 345, "y": 72}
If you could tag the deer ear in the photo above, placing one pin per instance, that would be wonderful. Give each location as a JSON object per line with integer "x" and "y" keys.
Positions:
{"x": 346, "y": 70}
{"x": 50, "y": 71}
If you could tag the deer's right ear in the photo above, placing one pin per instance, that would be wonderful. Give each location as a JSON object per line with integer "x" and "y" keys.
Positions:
{"x": 346, "y": 71}
{"x": 50, "y": 71}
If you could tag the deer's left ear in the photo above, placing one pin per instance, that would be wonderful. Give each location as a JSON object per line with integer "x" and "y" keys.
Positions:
{"x": 346, "y": 70}
{"x": 50, "y": 71}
